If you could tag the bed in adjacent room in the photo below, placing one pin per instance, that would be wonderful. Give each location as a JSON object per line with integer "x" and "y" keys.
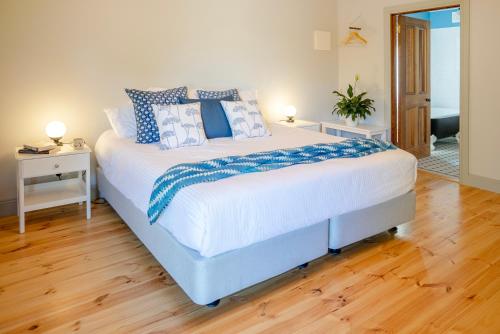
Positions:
{"x": 217, "y": 238}
{"x": 445, "y": 122}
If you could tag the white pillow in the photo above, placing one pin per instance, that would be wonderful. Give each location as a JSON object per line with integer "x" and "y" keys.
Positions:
{"x": 192, "y": 94}
{"x": 179, "y": 125}
{"x": 247, "y": 94}
{"x": 245, "y": 119}
{"x": 122, "y": 121}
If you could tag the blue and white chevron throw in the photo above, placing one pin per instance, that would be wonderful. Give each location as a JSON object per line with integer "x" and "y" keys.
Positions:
{"x": 183, "y": 175}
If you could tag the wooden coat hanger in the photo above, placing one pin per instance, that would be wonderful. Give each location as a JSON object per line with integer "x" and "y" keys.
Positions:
{"x": 354, "y": 37}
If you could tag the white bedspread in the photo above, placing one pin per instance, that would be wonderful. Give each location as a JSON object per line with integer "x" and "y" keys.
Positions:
{"x": 214, "y": 218}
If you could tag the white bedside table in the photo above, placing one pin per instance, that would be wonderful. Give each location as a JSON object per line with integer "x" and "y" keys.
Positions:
{"x": 307, "y": 125}
{"x": 369, "y": 131}
{"x": 49, "y": 194}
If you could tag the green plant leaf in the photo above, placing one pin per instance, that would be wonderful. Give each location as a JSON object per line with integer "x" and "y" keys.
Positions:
{"x": 339, "y": 94}
{"x": 350, "y": 92}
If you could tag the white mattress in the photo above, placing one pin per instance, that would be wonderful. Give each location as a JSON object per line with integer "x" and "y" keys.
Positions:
{"x": 444, "y": 112}
{"x": 217, "y": 217}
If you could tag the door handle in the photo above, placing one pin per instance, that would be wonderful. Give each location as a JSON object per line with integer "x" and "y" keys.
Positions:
{"x": 427, "y": 100}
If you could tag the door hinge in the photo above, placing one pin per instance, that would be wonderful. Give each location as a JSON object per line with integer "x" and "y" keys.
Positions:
{"x": 398, "y": 29}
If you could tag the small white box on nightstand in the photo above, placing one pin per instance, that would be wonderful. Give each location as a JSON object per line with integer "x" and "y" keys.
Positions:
{"x": 49, "y": 194}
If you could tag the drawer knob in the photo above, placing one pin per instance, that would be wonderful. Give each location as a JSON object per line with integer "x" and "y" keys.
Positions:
{"x": 56, "y": 166}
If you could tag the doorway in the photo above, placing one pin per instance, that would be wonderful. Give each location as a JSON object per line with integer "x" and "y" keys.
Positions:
{"x": 425, "y": 87}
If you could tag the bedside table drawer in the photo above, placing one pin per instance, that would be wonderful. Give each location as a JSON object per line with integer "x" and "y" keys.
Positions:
{"x": 55, "y": 165}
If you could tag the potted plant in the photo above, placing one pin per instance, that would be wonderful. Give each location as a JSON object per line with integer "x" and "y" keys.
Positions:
{"x": 352, "y": 107}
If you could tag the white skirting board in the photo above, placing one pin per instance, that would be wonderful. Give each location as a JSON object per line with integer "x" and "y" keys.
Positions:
{"x": 8, "y": 207}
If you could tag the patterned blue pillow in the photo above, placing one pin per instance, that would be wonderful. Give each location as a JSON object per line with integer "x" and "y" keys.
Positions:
{"x": 180, "y": 125}
{"x": 219, "y": 94}
{"x": 147, "y": 130}
{"x": 245, "y": 119}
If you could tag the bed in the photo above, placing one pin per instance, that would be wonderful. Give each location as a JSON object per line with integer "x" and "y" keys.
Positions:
{"x": 445, "y": 122}
{"x": 218, "y": 238}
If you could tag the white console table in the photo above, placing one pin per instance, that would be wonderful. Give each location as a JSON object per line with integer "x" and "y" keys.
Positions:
{"x": 367, "y": 130}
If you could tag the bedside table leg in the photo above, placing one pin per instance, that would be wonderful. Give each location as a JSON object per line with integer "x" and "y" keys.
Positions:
{"x": 21, "y": 223}
{"x": 20, "y": 203}
{"x": 80, "y": 177}
{"x": 87, "y": 185}
{"x": 88, "y": 209}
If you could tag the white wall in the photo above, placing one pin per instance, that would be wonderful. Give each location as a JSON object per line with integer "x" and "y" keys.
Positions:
{"x": 484, "y": 89}
{"x": 67, "y": 59}
{"x": 445, "y": 68}
{"x": 369, "y": 61}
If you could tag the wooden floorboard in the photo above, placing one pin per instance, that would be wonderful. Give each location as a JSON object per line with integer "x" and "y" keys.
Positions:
{"x": 438, "y": 274}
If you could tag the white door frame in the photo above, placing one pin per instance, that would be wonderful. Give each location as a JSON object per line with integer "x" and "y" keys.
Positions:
{"x": 465, "y": 177}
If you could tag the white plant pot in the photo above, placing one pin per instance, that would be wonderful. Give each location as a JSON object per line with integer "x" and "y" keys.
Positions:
{"x": 351, "y": 123}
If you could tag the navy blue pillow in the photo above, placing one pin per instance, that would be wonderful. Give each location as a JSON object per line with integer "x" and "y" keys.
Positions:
{"x": 214, "y": 118}
{"x": 147, "y": 130}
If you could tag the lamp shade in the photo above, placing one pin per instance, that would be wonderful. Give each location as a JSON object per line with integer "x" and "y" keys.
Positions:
{"x": 290, "y": 111}
{"x": 55, "y": 129}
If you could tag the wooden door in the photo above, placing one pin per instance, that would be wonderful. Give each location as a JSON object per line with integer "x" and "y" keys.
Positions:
{"x": 411, "y": 97}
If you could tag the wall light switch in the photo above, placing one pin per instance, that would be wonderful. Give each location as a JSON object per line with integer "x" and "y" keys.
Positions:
{"x": 322, "y": 40}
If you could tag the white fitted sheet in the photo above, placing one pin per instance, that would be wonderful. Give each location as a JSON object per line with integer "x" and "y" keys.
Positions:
{"x": 232, "y": 213}
{"x": 444, "y": 112}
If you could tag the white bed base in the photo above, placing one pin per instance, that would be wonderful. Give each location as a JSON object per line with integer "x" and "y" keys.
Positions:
{"x": 206, "y": 280}
{"x": 354, "y": 226}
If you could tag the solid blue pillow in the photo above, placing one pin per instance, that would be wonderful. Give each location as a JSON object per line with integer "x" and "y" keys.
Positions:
{"x": 214, "y": 118}
{"x": 147, "y": 130}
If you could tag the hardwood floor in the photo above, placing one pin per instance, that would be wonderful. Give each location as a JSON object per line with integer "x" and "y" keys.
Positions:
{"x": 440, "y": 273}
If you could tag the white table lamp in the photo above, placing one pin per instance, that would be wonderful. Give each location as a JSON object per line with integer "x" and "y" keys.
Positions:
{"x": 55, "y": 130}
{"x": 290, "y": 112}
